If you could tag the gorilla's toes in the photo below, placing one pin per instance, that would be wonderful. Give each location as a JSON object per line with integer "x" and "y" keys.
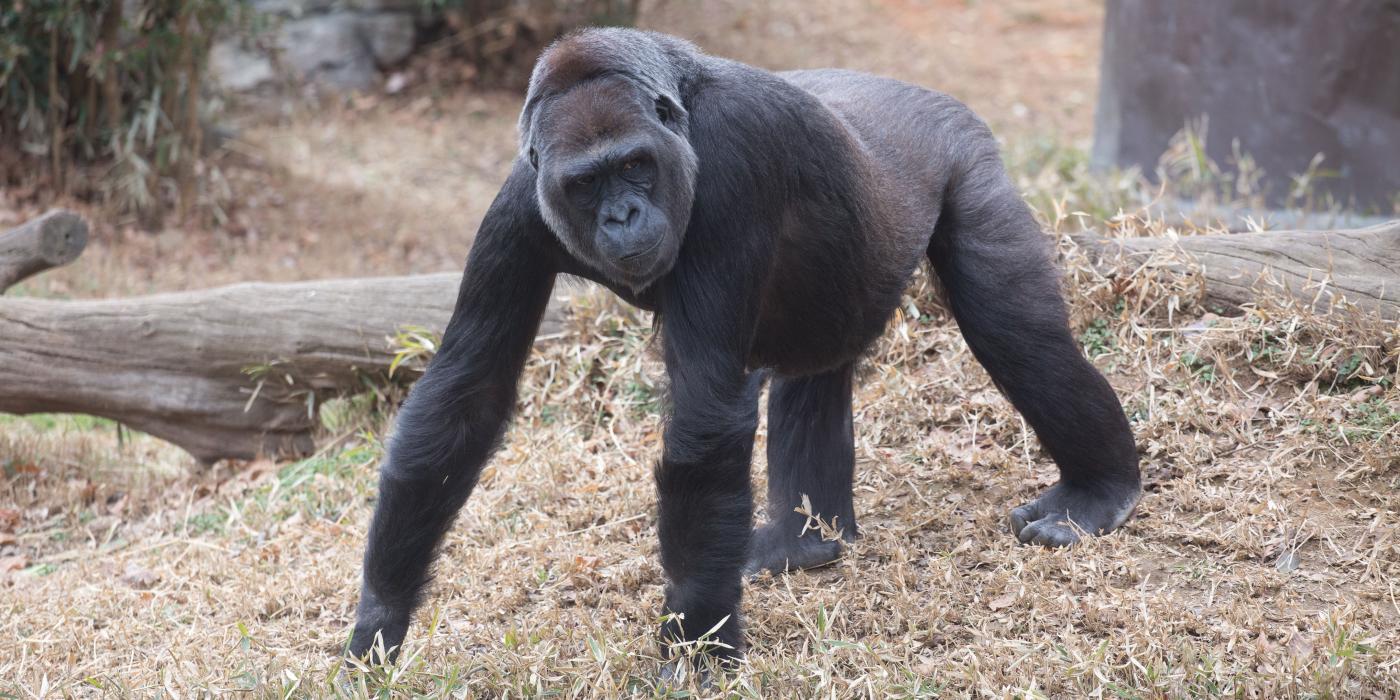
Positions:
{"x": 1050, "y": 531}
{"x": 677, "y": 673}
{"x": 778, "y": 549}
{"x": 1061, "y": 514}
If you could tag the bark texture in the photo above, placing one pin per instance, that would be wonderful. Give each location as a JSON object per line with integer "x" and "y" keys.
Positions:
{"x": 1318, "y": 267}
{"x": 236, "y": 371}
{"x": 52, "y": 240}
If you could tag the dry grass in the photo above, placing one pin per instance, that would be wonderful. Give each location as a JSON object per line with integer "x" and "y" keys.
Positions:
{"x": 1263, "y": 561}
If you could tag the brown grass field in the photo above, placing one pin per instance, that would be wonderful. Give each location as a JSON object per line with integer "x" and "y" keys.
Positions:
{"x": 1264, "y": 561}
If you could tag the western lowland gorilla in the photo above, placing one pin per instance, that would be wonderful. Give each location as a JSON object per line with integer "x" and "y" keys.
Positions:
{"x": 772, "y": 222}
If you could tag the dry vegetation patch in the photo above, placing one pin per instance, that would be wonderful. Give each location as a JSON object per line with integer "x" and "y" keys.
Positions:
{"x": 1262, "y": 562}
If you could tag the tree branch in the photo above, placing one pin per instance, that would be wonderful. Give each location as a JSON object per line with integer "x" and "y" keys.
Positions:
{"x": 235, "y": 371}
{"x": 1316, "y": 267}
{"x": 52, "y": 240}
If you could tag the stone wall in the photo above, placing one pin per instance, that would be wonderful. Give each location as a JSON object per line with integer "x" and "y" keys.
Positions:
{"x": 340, "y": 44}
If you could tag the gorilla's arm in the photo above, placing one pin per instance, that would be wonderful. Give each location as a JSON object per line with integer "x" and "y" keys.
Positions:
{"x": 456, "y": 413}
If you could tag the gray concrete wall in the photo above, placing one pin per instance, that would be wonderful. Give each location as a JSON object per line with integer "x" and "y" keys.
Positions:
{"x": 1288, "y": 79}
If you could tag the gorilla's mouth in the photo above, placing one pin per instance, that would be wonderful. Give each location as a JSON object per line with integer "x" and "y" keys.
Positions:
{"x": 632, "y": 257}
{"x": 640, "y": 268}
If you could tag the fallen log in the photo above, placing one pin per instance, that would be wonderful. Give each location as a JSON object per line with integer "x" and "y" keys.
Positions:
{"x": 54, "y": 239}
{"x": 1319, "y": 268}
{"x": 236, "y": 371}
{"x": 240, "y": 371}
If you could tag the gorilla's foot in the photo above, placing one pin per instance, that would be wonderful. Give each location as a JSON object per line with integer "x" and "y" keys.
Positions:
{"x": 777, "y": 549}
{"x": 1060, "y": 514}
{"x": 379, "y": 631}
{"x": 675, "y": 674}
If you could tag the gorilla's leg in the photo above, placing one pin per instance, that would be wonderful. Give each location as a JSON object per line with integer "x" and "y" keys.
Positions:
{"x": 705, "y": 508}
{"x": 1004, "y": 291}
{"x": 811, "y": 452}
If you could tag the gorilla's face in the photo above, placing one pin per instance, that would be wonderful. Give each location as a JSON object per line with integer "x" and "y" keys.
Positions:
{"x": 616, "y": 177}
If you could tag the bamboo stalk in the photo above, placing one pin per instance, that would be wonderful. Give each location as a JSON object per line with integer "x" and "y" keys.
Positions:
{"x": 191, "y": 136}
{"x": 55, "y": 116}
{"x": 111, "y": 90}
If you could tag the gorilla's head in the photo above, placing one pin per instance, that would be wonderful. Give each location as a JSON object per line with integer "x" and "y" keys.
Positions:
{"x": 615, "y": 169}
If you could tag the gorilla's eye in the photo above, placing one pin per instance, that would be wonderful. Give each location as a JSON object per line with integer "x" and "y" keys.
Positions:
{"x": 534, "y": 159}
{"x": 631, "y": 164}
{"x": 584, "y": 180}
{"x": 663, "y": 110}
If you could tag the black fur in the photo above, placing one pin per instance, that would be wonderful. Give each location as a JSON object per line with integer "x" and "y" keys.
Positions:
{"x": 772, "y": 221}
{"x": 811, "y": 453}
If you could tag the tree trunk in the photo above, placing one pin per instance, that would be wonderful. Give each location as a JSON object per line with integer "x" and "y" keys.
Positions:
{"x": 235, "y": 371}
{"x": 54, "y": 239}
{"x": 1317, "y": 267}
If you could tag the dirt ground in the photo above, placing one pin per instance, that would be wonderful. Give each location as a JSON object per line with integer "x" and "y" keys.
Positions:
{"x": 1262, "y": 563}
{"x": 395, "y": 186}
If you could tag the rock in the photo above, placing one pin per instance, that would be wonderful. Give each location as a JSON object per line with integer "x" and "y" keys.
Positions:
{"x": 1288, "y": 79}
{"x": 341, "y": 45}
{"x": 409, "y": 6}
{"x": 328, "y": 49}
{"x": 234, "y": 68}
{"x": 390, "y": 36}
{"x": 293, "y": 8}
{"x": 306, "y": 8}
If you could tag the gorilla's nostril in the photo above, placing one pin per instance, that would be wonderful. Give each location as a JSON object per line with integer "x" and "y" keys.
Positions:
{"x": 623, "y": 216}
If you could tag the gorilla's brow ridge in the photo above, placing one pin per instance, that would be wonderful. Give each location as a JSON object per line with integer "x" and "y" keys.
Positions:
{"x": 549, "y": 95}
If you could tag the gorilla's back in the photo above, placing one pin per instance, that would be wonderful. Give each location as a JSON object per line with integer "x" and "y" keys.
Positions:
{"x": 908, "y": 131}
{"x": 910, "y": 140}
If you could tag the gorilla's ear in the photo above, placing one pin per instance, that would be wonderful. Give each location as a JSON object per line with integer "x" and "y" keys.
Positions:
{"x": 670, "y": 113}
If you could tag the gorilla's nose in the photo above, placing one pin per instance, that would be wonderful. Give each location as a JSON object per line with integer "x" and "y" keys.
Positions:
{"x": 624, "y": 233}
{"x": 620, "y": 217}
{"x": 626, "y": 237}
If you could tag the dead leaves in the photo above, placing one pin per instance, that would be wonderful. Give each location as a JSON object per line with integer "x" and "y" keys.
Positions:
{"x": 1002, "y": 601}
{"x": 10, "y": 519}
{"x": 139, "y": 577}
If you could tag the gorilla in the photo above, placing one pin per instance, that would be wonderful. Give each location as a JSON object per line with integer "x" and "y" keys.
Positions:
{"x": 772, "y": 222}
